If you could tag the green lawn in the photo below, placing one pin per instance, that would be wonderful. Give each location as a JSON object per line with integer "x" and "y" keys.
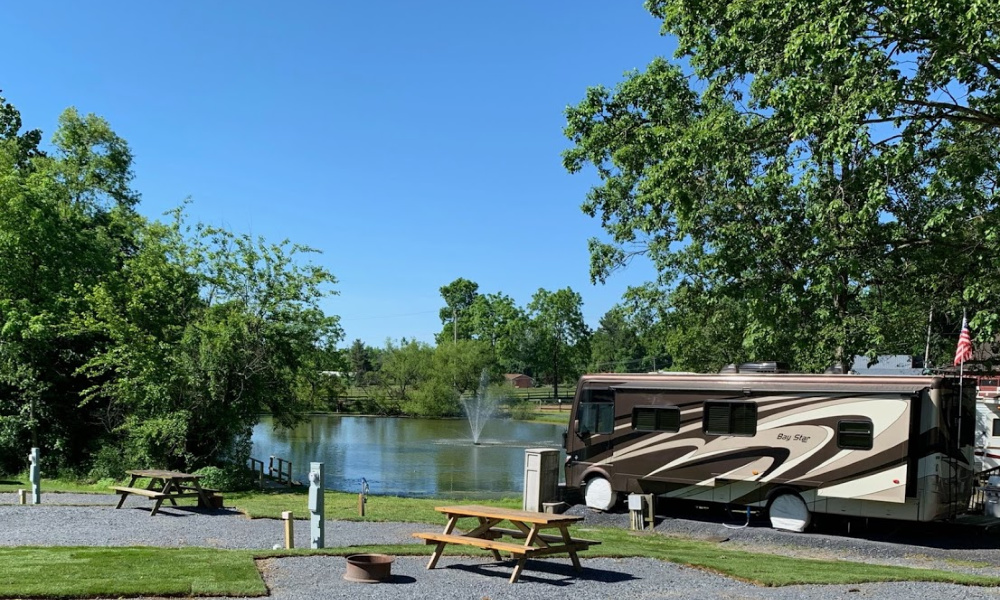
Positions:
{"x": 29, "y": 572}
{"x": 344, "y": 506}
{"x": 12, "y": 483}
{"x": 762, "y": 569}
{"x": 269, "y": 504}
{"x": 551, "y": 416}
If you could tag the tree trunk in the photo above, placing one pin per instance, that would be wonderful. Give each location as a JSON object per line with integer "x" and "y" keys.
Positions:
{"x": 555, "y": 371}
{"x": 840, "y": 304}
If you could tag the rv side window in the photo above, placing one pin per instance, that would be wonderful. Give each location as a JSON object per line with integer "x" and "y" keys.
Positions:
{"x": 730, "y": 418}
{"x": 996, "y": 427}
{"x": 854, "y": 435}
{"x": 656, "y": 418}
{"x": 597, "y": 412}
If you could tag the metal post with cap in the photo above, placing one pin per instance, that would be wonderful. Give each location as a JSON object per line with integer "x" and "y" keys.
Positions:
{"x": 316, "y": 508}
{"x": 36, "y": 476}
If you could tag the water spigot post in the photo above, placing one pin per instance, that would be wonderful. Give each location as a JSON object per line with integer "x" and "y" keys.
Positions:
{"x": 317, "y": 539}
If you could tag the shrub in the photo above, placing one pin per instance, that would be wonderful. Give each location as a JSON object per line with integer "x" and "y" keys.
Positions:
{"x": 521, "y": 411}
{"x": 109, "y": 463}
{"x": 228, "y": 478}
{"x": 435, "y": 398}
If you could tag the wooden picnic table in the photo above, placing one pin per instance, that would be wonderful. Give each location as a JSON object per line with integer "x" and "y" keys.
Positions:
{"x": 164, "y": 485}
{"x": 528, "y": 526}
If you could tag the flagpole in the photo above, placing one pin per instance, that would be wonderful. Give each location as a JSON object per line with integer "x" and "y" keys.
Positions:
{"x": 961, "y": 393}
{"x": 927, "y": 346}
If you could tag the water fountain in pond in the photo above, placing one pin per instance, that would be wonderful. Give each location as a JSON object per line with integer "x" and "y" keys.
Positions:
{"x": 481, "y": 406}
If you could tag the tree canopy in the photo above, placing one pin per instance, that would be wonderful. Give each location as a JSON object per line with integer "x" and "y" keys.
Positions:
{"x": 818, "y": 175}
{"x": 66, "y": 221}
{"x": 458, "y": 297}
{"x": 125, "y": 342}
{"x": 559, "y": 337}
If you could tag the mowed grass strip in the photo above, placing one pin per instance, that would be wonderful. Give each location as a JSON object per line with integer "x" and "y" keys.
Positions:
{"x": 269, "y": 504}
{"x": 344, "y": 506}
{"x": 33, "y": 572}
{"x": 761, "y": 569}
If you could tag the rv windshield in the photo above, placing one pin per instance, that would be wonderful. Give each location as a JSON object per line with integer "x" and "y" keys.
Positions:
{"x": 596, "y": 413}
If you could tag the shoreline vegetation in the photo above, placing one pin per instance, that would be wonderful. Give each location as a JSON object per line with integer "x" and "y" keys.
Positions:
{"x": 513, "y": 401}
{"x": 537, "y": 412}
{"x": 50, "y": 572}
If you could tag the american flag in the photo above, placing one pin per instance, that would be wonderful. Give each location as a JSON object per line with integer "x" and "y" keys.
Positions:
{"x": 964, "y": 350}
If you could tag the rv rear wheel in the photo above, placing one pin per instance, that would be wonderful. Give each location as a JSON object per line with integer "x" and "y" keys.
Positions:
{"x": 788, "y": 511}
{"x": 598, "y": 493}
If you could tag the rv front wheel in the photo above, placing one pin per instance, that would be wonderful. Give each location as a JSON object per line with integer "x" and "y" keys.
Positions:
{"x": 598, "y": 494}
{"x": 788, "y": 511}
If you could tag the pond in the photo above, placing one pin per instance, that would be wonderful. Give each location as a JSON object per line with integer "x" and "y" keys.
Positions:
{"x": 409, "y": 457}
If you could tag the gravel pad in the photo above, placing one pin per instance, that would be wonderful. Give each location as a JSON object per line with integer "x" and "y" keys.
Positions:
{"x": 175, "y": 526}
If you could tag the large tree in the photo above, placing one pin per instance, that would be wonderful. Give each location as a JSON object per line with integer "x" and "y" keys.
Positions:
{"x": 458, "y": 297}
{"x": 359, "y": 358}
{"x": 828, "y": 167}
{"x": 130, "y": 343}
{"x": 403, "y": 367}
{"x": 66, "y": 222}
{"x": 19, "y": 146}
{"x": 455, "y": 371}
{"x": 559, "y": 337}
{"x": 206, "y": 331}
{"x": 502, "y": 325}
{"x": 615, "y": 347}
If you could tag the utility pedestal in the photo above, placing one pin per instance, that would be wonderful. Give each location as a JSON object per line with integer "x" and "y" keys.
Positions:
{"x": 641, "y": 510}
{"x": 541, "y": 478}
{"x": 316, "y": 510}
{"x": 36, "y": 476}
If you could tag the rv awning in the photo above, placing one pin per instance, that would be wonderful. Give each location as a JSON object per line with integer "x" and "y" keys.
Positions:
{"x": 833, "y": 384}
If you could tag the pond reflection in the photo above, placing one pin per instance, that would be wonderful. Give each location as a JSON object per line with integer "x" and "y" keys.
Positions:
{"x": 409, "y": 457}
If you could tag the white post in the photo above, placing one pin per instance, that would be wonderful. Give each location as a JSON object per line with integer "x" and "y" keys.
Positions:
{"x": 316, "y": 508}
{"x": 36, "y": 476}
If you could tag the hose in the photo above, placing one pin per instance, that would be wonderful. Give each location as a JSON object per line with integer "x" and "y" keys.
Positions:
{"x": 739, "y": 526}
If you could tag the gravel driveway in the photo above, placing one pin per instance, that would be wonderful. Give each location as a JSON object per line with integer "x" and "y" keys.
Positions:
{"x": 91, "y": 520}
{"x": 85, "y": 519}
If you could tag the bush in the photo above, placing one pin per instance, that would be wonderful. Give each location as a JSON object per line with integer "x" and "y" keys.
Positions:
{"x": 109, "y": 463}
{"x": 434, "y": 399}
{"x": 521, "y": 411}
{"x": 229, "y": 478}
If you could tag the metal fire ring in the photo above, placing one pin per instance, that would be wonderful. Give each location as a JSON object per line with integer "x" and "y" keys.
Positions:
{"x": 368, "y": 568}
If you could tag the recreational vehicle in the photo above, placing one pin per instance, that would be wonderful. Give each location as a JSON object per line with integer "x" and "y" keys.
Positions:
{"x": 793, "y": 445}
{"x": 987, "y": 425}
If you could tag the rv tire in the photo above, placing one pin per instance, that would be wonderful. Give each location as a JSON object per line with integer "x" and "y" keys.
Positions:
{"x": 598, "y": 493}
{"x": 788, "y": 511}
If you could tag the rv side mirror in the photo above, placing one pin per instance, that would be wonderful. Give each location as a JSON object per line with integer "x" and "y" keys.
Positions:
{"x": 580, "y": 432}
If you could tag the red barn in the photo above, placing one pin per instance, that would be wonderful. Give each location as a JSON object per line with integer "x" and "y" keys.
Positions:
{"x": 519, "y": 381}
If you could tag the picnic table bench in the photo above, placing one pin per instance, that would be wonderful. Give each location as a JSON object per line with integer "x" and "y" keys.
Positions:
{"x": 528, "y": 526}
{"x": 164, "y": 485}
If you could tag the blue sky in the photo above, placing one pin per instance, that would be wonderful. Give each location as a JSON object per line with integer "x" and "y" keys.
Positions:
{"x": 412, "y": 142}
